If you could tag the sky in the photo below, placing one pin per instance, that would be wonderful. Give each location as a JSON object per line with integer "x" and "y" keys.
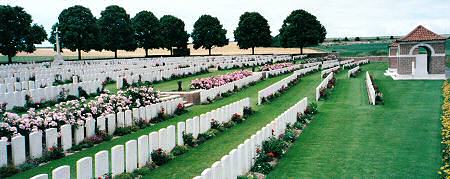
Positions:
{"x": 349, "y": 18}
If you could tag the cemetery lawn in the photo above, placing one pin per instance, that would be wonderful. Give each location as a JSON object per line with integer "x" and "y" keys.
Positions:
{"x": 197, "y": 159}
{"x": 351, "y": 139}
{"x": 196, "y": 110}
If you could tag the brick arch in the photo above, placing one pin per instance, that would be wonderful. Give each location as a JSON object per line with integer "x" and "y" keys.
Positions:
{"x": 428, "y": 46}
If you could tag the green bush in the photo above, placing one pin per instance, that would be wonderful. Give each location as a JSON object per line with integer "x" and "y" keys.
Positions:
{"x": 121, "y": 131}
{"x": 179, "y": 150}
{"x": 8, "y": 171}
{"x": 160, "y": 157}
{"x": 124, "y": 176}
{"x": 188, "y": 139}
{"x": 237, "y": 118}
{"x": 275, "y": 146}
{"x": 228, "y": 124}
{"x": 289, "y": 136}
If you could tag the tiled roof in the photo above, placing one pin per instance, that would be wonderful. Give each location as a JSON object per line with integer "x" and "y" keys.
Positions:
{"x": 421, "y": 33}
{"x": 394, "y": 44}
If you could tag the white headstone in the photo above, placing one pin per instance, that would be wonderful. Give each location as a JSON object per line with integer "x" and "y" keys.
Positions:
{"x": 51, "y": 138}
{"x": 18, "y": 150}
{"x": 40, "y": 176}
{"x": 171, "y": 138}
{"x": 66, "y": 137}
{"x": 120, "y": 119}
{"x": 62, "y": 172}
{"x": 130, "y": 156}
{"x": 90, "y": 127}
{"x": 111, "y": 123}
{"x": 153, "y": 142}
{"x": 101, "y": 123}
{"x": 101, "y": 163}
{"x": 136, "y": 114}
{"x": 35, "y": 144}
{"x": 117, "y": 160}
{"x": 79, "y": 134}
{"x": 3, "y": 156}
{"x": 128, "y": 119}
{"x": 196, "y": 127}
{"x": 162, "y": 139}
{"x": 181, "y": 127}
{"x": 143, "y": 152}
{"x": 84, "y": 168}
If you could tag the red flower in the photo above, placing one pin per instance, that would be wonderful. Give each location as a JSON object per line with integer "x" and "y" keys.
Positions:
{"x": 270, "y": 154}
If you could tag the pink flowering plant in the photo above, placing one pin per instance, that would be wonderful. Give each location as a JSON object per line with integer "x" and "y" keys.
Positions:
{"x": 76, "y": 112}
{"x": 211, "y": 82}
{"x": 268, "y": 67}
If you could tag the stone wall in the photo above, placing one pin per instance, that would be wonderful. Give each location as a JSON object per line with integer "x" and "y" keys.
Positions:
{"x": 371, "y": 58}
{"x": 437, "y": 65}
{"x": 393, "y": 62}
{"x": 404, "y": 65}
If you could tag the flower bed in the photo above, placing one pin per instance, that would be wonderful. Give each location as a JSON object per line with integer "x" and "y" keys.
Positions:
{"x": 211, "y": 82}
{"x": 444, "y": 171}
{"x": 273, "y": 149}
{"x": 76, "y": 112}
{"x": 269, "y": 67}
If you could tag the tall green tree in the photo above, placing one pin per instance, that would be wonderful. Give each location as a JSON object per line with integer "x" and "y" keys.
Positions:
{"x": 208, "y": 32}
{"x": 116, "y": 30}
{"x": 173, "y": 33}
{"x": 301, "y": 29}
{"x": 17, "y": 34}
{"x": 147, "y": 30}
{"x": 252, "y": 31}
{"x": 79, "y": 30}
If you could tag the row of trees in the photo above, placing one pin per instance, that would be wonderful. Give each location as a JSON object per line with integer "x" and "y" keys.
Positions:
{"x": 80, "y": 31}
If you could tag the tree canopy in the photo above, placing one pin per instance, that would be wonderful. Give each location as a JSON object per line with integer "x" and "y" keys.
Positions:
{"x": 252, "y": 31}
{"x": 301, "y": 29}
{"x": 79, "y": 30}
{"x": 116, "y": 30}
{"x": 173, "y": 33}
{"x": 16, "y": 32}
{"x": 208, "y": 32}
{"x": 147, "y": 30}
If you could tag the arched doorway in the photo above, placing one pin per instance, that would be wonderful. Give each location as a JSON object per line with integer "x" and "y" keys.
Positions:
{"x": 423, "y": 53}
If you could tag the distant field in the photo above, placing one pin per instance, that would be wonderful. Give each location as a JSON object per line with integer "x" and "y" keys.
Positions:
{"x": 356, "y": 50}
{"x": 46, "y": 54}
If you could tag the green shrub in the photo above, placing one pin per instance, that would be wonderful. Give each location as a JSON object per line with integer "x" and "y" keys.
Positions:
{"x": 160, "y": 157}
{"x": 188, "y": 139}
{"x": 237, "y": 118}
{"x": 228, "y": 124}
{"x": 248, "y": 111}
{"x": 289, "y": 136}
{"x": 54, "y": 153}
{"x": 121, "y": 131}
{"x": 179, "y": 150}
{"x": 8, "y": 171}
{"x": 311, "y": 108}
{"x": 275, "y": 146}
{"x": 124, "y": 176}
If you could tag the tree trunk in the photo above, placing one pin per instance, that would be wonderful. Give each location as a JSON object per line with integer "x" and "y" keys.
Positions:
{"x": 115, "y": 53}
{"x": 79, "y": 54}
{"x": 301, "y": 50}
{"x": 253, "y": 50}
{"x": 146, "y": 52}
{"x": 171, "y": 51}
{"x": 209, "y": 51}
{"x": 9, "y": 59}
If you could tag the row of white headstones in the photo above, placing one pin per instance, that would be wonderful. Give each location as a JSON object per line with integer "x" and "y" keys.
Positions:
{"x": 212, "y": 93}
{"x": 108, "y": 123}
{"x": 240, "y": 160}
{"x": 24, "y": 85}
{"x": 17, "y": 98}
{"x": 277, "y": 72}
{"x": 10, "y": 73}
{"x": 153, "y": 76}
{"x": 136, "y": 153}
{"x": 276, "y": 87}
{"x": 323, "y": 84}
{"x": 370, "y": 89}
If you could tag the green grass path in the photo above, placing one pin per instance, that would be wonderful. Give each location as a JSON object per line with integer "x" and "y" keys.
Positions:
{"x": 193, "y": 111}
{"x": 351, "y": 139}
{"x": 197, "y": 159}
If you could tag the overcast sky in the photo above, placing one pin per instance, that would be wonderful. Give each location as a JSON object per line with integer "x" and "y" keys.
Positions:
{"x": 341, "y": 18}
